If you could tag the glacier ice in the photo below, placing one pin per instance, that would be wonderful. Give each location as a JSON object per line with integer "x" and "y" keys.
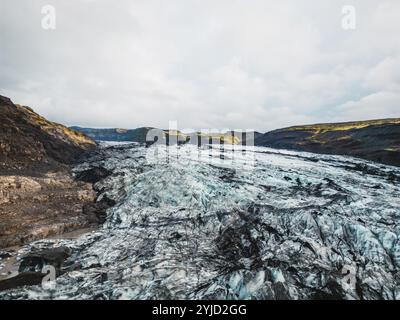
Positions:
{"x": 256, "y": 223}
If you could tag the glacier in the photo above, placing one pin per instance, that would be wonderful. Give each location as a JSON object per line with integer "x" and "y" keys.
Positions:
{"x": 235, "y": 223}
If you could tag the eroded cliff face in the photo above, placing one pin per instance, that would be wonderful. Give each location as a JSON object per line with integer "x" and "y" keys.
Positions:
{"x": 291, "y": 226}
{"x": 29, "y": 142}
{"x": 33, "y": 208}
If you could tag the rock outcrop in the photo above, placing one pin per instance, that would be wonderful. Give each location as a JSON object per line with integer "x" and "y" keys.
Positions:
{"x": 33, "y": 208}
{"x": 34, "y": 267}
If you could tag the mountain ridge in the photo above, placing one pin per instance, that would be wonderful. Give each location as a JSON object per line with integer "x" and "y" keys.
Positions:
{"x": 376, "y": 140}
{"x": 30, "y": 142}
{"x": 139, "y": 135}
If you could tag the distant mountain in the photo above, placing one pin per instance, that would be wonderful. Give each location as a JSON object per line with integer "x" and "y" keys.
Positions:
{"x": 139, "y": 135}
{"x": 128, "y": 135}
{"x": 376, "y": 140}
{"x": 29, "y": 141}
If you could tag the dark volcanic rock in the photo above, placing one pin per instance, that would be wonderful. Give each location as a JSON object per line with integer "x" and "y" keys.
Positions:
{"x": 96, "y": 212}
{"x": 93, "y": 175}
{"x": 35, "y": 261}
{"x": 21, "y": 280}
{"x": 4, "y": 255}
{"x": 31, "y": 269}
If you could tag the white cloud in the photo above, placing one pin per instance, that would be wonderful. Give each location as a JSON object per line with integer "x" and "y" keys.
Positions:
{"x": 253, "y": 64}
{"x": 384, "y": 76}
{"x": 375, "y": 106}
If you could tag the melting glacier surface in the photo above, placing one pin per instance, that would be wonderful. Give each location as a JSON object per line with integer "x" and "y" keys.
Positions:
{"x": 248, "y": 223}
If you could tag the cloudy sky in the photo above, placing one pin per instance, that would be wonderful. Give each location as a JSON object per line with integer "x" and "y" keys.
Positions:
{"x": 256, "y": 64}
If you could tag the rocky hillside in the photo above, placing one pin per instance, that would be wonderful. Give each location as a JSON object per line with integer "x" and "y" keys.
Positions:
{"x": 30, "y": 142}
{"x": 39, "y": 197}
{"x": 376, "y": 140}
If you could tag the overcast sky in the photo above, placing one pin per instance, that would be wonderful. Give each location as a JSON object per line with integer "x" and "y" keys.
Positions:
{"x": 205, "y": 63}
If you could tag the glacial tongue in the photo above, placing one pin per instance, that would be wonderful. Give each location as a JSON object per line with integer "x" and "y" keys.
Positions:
{"x": 191, "y": 223}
